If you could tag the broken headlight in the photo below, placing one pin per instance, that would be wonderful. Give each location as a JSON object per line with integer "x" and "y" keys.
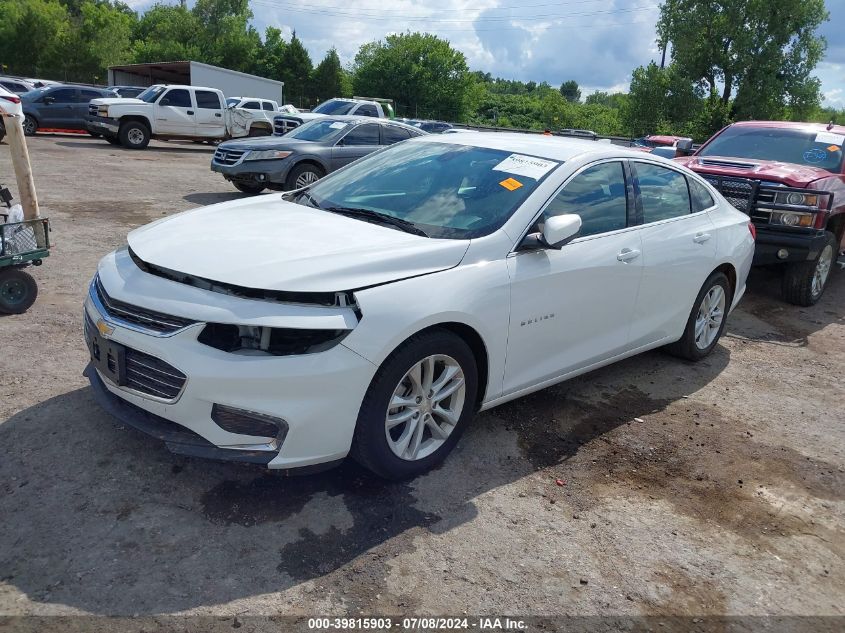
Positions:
{"x": 250, "y": 339}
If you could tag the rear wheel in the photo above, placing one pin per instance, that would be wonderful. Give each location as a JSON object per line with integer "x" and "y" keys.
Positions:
{"x": 134, "y": 135}
{"x": 304, "y": 175}
{"x": 248, "y": 188}
{"x": 417, "y": 406}
{"x": 706, "y": 320}
{"x": 18, "y": 291}
{"x": 30, "y": 125}
{"x": 804, "y": 282}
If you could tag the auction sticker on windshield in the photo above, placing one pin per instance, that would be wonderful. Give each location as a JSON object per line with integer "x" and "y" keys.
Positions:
{"x": 528, "y": 166}
{"x": 830, "y": 137}
{"x": 337, "y": 125}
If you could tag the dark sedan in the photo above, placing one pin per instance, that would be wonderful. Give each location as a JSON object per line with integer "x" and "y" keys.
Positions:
{"x": 305, "y": 154}
{"x": 58, "y": 107}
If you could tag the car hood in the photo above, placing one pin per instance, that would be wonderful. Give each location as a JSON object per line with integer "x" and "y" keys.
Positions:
{"x": 265, "y": 142}
{"x": 790, "y": 174}
{"x": 117, "y": 101}
{"x": 269, "y": 244}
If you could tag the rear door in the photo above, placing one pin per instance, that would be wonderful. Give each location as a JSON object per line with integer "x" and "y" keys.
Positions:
{"x": 679, "y": 250}
{"x": 174, "y": 112}
{"x": 57, "y": 108}
{"x": 359, "y": 141}
{"x": 209, "y": 116}
{"x": 81, "y": 107}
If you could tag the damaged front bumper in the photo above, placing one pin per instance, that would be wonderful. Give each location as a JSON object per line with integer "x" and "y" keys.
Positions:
{"x": 102, "y": 125}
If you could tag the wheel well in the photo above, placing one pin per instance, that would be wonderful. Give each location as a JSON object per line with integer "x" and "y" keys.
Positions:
{"x": 836, "y": 225}
{"x": 730, "y": 273}
{"x": 309, "y": 161}
{"x": 479, "y": 351}
{"x": 137, "y": 119}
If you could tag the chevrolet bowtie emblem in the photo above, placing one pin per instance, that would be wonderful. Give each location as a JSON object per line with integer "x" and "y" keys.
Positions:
{"x": 104, "y": 328}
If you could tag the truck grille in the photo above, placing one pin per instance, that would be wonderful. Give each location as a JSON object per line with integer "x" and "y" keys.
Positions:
{"x": 152, "y": 376}
{"x": 143, "y": 318}
{"x": 284, "y": 125}
{"x": 228, "y": 156}
{"x": 745, "y": 194}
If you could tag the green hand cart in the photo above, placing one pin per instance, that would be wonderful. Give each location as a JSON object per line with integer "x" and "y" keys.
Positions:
{"x": 22, "y": 244}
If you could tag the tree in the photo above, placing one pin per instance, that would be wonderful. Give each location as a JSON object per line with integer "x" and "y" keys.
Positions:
{"x": 166, "y": 33}
{"x": 30, "y": 36}
{"x": 570, "y": 91}
{"x": 269, "y": 61}
{"x": 328, "y": 79}
{"x": 420, "y": 71}
{"x": 225, "y": 37}
{"x": 661, "y": 100}
{"x": 760, "y": 51}
{"x": 296, "y": 71}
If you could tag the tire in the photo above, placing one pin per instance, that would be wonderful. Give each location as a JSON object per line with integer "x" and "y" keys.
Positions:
{"x": 694, "y": 348}
{"x": 113, "y": 140}
{"x": 376, "y": 446}
{"x": 18, "y": 291}
{"x": 250, "y": 189}
{"x": 303, "y": 175}
{"x": 30, "y": 125}
{"x": 804, "y": 282}
{"x": 134, "y": 135}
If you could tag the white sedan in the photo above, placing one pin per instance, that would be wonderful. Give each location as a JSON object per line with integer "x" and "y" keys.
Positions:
{"x": 10, "y": 105}
{"x": 374, "y": 312}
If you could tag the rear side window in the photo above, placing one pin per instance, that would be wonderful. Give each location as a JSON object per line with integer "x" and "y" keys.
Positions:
{"x": 87, "y": 95}
{"x": 207, "y": 100}
{"x": 252, "y": 105}
{"x": 266, "y": 105}
{"x": 63, "y": 95}
{"x": 700, "y": 197}
{"x": 599, "y": 195}
{"x": 367, "y": 110}
{"x": 179, "y": 98}
{"x": 363, "y": 135}
{"x": 663, "y": 192}
{"x": 392, "y": 134}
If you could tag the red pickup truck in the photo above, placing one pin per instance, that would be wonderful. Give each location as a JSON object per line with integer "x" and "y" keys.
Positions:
{"x": 790, "y": 179}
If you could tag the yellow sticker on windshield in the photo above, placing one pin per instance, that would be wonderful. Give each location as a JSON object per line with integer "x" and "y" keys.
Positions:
{"x": 511, "y": 184}
{"x": 833, "y": 148}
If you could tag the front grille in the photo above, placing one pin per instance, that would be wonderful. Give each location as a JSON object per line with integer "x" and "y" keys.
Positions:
{"x": 228, "y": 156}
{"x": 143, "y": 318}
{"x": 745, "y": 194}
{"x": 152, "y": 376}
{"x": 283, "y": 126}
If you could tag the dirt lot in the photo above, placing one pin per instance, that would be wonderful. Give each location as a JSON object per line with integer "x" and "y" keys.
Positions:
{"x": 715, "y": 488}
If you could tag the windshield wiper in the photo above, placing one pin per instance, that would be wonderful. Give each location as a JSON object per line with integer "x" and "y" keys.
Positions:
{"x": 374, "y": 216}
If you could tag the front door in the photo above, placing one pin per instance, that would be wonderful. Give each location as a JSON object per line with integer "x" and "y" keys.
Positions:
{"x": 57, "y": 109}
{"x": 359, "y": 141}
{"x": 174, "y": 113}
{"x": 570, "y": 308}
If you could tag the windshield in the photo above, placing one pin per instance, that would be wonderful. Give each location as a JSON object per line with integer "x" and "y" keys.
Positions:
{"x": 334, "y": 106}
{"x": 811, "y": 148}
{"x": 447, "y": 191}
{"x": 151, "y": 94}
{"x": 318, "y": 130}
{"x": 231, "y": 101}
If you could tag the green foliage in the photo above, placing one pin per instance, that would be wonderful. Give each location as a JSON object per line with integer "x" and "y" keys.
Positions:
{"x": 570, "y": 91}
{"x": 296, "y": 71}
{"x": 422, "y": 73}
{"x": 329, "y": 79}
{"x": 166, "y": 33}
{"x": 270, "y": 57}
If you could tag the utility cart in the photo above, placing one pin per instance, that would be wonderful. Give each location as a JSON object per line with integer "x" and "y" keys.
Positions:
{"x": 22, "y": 244}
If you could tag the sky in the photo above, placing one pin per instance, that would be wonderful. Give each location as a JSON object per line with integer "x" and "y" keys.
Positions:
{"x": 595, "y": 42}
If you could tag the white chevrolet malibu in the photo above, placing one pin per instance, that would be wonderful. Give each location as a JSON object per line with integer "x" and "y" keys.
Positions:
{"x": 374, "y": 312}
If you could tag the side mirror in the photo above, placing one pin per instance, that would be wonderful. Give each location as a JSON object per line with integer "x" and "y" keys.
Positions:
{"x": 684, "y": 147}
{"x": 558, "y": 230}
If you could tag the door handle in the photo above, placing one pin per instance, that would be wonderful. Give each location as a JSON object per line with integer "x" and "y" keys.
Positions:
{"x": 217, "y": 114}
{"x": 627, "y": 254}
{"x": 700, "y": 238}
{"x": 190, "y": 111}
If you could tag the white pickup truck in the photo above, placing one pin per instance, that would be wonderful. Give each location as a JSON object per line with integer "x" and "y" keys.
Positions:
{"x": 359, "y": 106}
{"x": 172, "y": 112}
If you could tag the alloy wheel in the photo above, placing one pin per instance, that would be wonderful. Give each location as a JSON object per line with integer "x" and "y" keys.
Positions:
{"x": 425, "y": 407}
{"x": 135, "y": 136}
{"x": 306, "y": 178}
{"x": 822, "y": 271}
{"x": 709, "y": 319}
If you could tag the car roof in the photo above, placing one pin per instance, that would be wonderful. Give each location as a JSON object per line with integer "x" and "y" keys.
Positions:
{"x": 540, "y": 145}
{"x": 792, "y": 125}
{"x": 357, "y": 118}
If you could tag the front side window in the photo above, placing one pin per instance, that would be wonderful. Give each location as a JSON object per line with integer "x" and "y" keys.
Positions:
{"x": 178, "y": 98}
{"x": 367, "y": 110}
{"x": 663, "y": 192}
{"x": 599, "y": 195}
{"x": 207, "y": 100}
{"x": 362, "y": 135}
{"x": 449, "y": 191}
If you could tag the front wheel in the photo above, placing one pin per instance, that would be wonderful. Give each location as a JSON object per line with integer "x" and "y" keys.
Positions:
{"x": 134, "y": 135}
{"x": 18, "y": 291}
{"x": 112, "y": 140}
{"x": 247, "y": 188}
{"x": 707, "y": 320}
{"x": 30, "y": 125}
{"x": 804, "y": 282}
{"x": 417, "y": 406}
{"x": 303, "y": 175}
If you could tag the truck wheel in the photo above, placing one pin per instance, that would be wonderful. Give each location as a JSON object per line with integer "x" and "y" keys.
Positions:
{"x": 18, "y": 291}
{"x": 134, "y": 135}
{"x": 30, "y": 125}
{"x": 804, "y": 282}
{"x": 247, "y": 188}
{"x": 303, "y": 175}
{"x": 112, "y": 139}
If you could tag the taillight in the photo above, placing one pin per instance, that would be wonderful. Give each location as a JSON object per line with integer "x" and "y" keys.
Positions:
{"x": 753, "y": 230}
{"x": 11, "y": 98}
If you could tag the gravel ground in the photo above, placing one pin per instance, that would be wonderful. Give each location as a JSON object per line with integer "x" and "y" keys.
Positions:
{"x": 715, "y": 488}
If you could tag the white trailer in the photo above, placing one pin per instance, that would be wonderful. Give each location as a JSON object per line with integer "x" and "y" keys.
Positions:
{"x": 231, "y": 82}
